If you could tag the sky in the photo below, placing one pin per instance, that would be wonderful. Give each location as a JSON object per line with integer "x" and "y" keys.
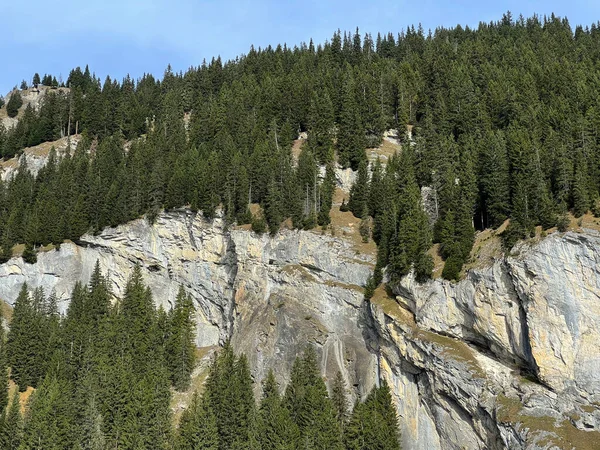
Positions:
{"x": 120, "y": 37}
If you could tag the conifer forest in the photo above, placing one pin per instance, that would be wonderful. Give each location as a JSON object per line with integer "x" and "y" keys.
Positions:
{"x": 501, "y": 121}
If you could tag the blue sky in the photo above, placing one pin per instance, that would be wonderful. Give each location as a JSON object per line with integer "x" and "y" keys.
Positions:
{"x": 116, "y": 37}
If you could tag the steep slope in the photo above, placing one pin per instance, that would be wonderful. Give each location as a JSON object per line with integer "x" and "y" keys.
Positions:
{"x": 269, "y": 295}
{"x": 506, "y": 358}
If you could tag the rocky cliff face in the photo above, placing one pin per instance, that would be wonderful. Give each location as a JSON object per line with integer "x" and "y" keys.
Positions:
{"x": 507, "y": 358}
{"x": 270, "y": 296}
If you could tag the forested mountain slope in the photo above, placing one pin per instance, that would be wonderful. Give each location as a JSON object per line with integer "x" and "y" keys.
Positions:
{"x": 504, "y": 119}
{"x": 222, "y": 195}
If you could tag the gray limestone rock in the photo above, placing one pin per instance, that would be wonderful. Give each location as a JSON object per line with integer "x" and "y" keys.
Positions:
{"x": 509, "y": 357}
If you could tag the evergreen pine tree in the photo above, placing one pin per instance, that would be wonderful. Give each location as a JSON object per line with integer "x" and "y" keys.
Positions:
{"x": 3, "y": 371}
{"x": 373, "y": 424}
{"x": 50, "y": 420}
{"x": 11, "y": 433}
{"x": 14, "y": 103}
{"x": 22, "y": 345}
{"x": 339, "y": 400}
{"x": 359, "y": 193}
{"x": 351, "y": 134}
{"x": 275, "y": 427}
{"x": 326, "y": 192}
{"x": 180, "y": 348}
{"x": 197, "y": 427}
{"x": 273, "y": 207}
{"x": 308, "y": 403}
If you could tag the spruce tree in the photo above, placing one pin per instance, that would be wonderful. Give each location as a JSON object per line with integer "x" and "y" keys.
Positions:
{"x": 22, "y": 345}
{"x": 275, "y": 427}
{"x": 494, "y": 179}
{"x": 11, "y": 432}
{"x": 374, "y": 423}
{"x": 351, "y": 134}
{"x": 412, "y": 240}
{"x": 339, "y": 400}
{"x": 3, "y": 370}
{"x": 50, "y": 421}
{"x": 180, "y": 349}
{"x": 308, "y": 403}
{"x": 198, "y": 426}
{"x": 273, "y": 207}
{"x": 359, "y": 193}
{"x": 320, "y": 127}
{"x": 326, "y": 192}
{"x": 92, "y": 437}
{"x": 14, "y": 103}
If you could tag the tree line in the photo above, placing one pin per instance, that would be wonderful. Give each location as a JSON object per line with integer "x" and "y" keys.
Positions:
{"x": 105, "y": 372}
{"x": 504, "y": 119}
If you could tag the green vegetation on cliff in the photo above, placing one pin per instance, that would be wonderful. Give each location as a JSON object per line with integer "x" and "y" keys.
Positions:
{"x": 103, "y": 375}
{"x": 504, "y": 122}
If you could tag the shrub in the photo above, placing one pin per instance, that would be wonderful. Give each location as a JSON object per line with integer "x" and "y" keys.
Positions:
{"x": 259, "y": 224}
{"x": 596, "y": 207}
{"x": 563, "y": 223}
{"x": 370, "y": 288}
{"x": 29, "y": 255}
{"x": 14, "y": 103}
{"x": 514, "y": 233}
{"x": 424, "y": 267}
{"x": 365, "y": 229}
{"x": 452, "y": 268}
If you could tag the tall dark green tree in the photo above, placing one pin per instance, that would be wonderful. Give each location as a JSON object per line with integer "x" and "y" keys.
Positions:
{"x": 275, "y": 427}
{"x": 23, "y": 346}
{"x": 11, "y": 432}
{"x": 14, "y": 103}
{"x": 50, "y": 419}
{"x": 308, "y": 402}
{"x": 180, "y": 350}
{"x": 351, "y": 133}
{"x": 359, "y": 193}
{"x": 374, "y": 423}
{"x": 198, "y": 427}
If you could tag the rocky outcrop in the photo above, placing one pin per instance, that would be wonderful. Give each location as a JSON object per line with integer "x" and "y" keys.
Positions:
{"x": 506, "y": 358}
{"x": 270, "y": 296}
{"x": 31, "y": 97}
{"x": 36, "y": 157}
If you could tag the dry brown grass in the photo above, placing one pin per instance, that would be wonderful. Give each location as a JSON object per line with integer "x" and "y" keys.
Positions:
{"x": 487, "y": 248}
{"x": 11, "y": 163}
{"x": 385, "y": 151}
{"x": 23, "y": 396}
{"x": 18, "y": 250}
{"x": 444, "y": 345}
{"x": 6, "y": 311}
{"x": 46, "y": 248}
{"x": 588, "y": 221}
{"x": 181, "y": 400}
{"x": 297, "y": 149}
{"x": 344, "y": 225}
{"x": 438, "y": 262}
{"x": 41, "y": 151}
{"x": 392, "y": 308}
{"x": 340, "y": 195}
{"x": 562, "y": 434}
{"x": 26, "y": 101}
{"x": 255, "y": 209}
